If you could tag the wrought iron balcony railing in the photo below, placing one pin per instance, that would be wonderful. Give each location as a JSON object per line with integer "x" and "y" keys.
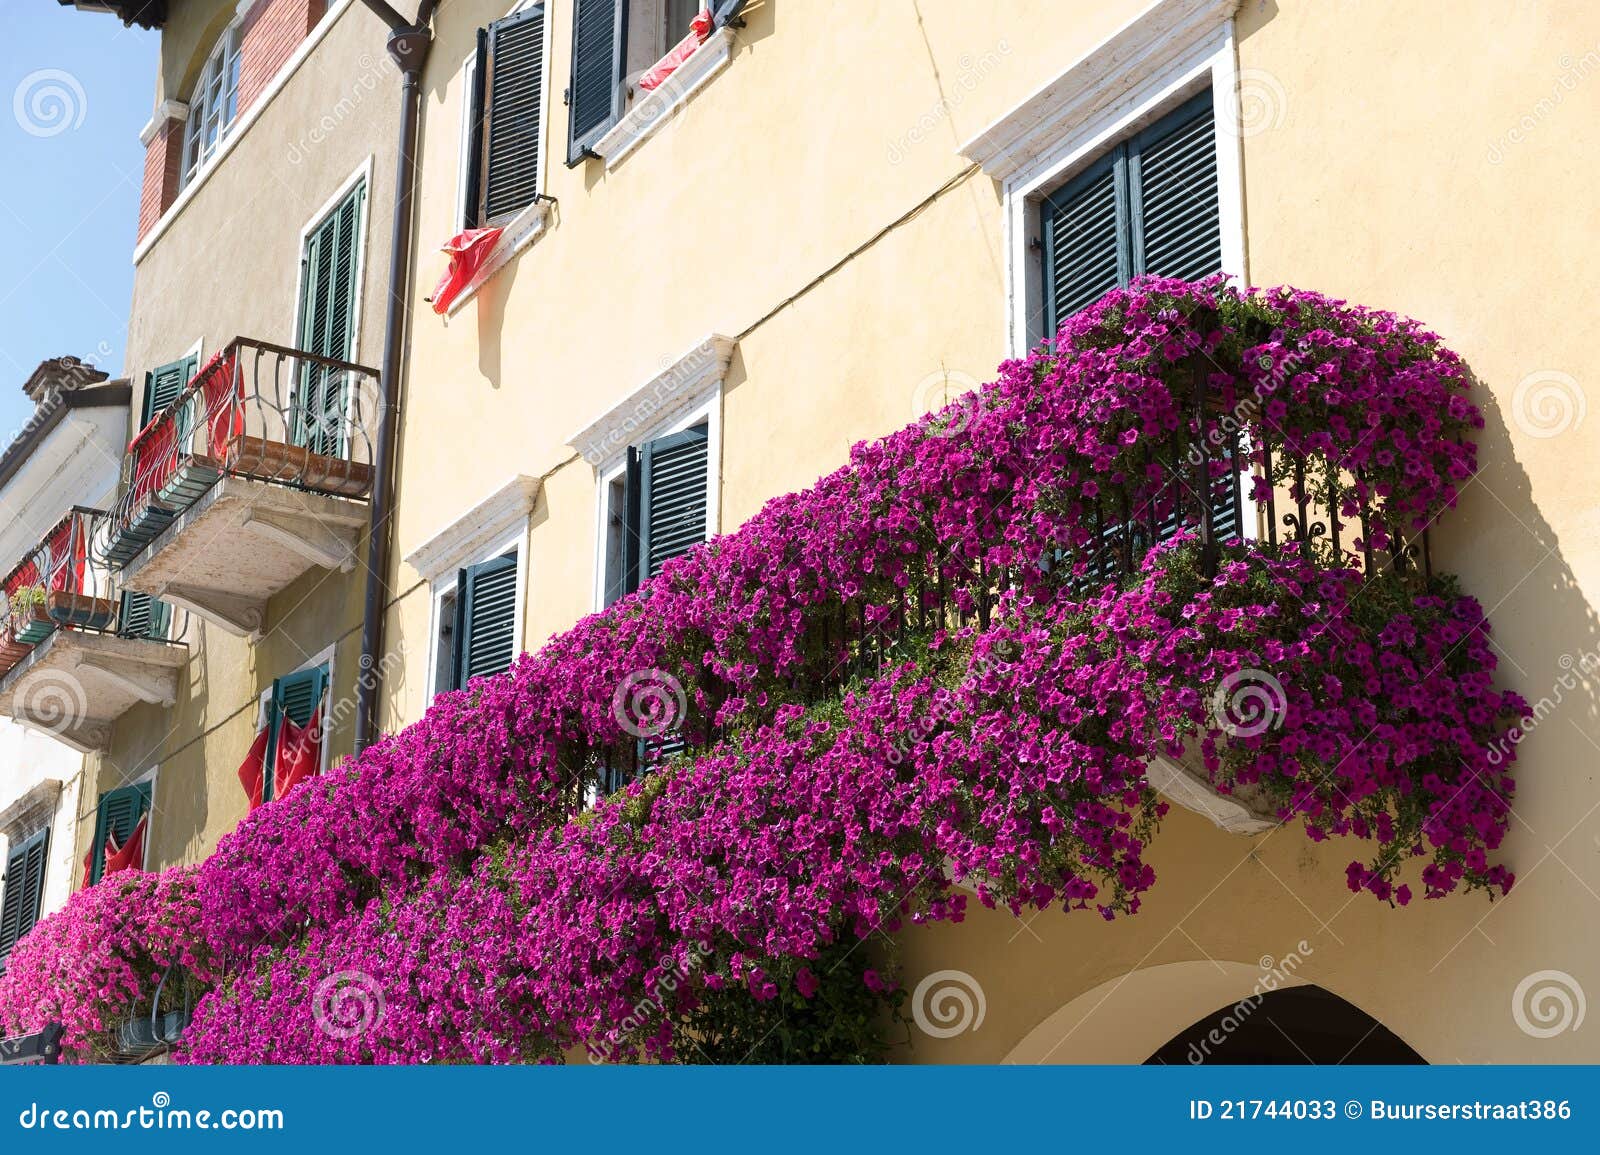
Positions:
{"x": 265, "y": 412}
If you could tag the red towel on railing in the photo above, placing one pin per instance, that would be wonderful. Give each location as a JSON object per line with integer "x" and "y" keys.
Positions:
{"x": 223, "y": 398}
{"x": 467, "y": 251}
{"x": 253, "y": 770}
{"x": 299, "y": 752}
{"x": 699, "y": 29}
{"x": 154, "y": 453}
{"x": 128, "y": 856}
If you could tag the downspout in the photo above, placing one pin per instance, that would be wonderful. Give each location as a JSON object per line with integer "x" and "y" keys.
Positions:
{"x": 408, "y": 48}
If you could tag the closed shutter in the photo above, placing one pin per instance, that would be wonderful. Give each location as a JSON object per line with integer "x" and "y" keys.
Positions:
{"x": 163, "y": 384}
{"x": 1150, "y": 205}
{"x": 328, "y": 282}
{"x": 295, "y": 696}
{"x": 486, "y": 618}
{"x": 672, "y": 497}
{"x": 514, "y": 100}
{"x": 119, "y": 812}
{"x": 1086, "y": 250}
{"x": 599, "y": 31}
{"x": 142, "y": 616}
{"x": 1173, "y": 179}
{"x": 24, "y": 891}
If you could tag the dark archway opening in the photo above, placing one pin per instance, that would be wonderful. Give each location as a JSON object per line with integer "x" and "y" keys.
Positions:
{"x": 1297, "y": 1026}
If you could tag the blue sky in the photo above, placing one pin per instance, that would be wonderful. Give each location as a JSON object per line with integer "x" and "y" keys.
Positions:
{"x": 75, "y": 89}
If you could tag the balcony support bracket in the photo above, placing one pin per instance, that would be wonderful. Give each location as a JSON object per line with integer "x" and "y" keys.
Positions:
{"x": 82, "y": 736}
{"x": 147, "y": 681}
{"x": 315, "y": 541}
{"x": 238, "y": 615}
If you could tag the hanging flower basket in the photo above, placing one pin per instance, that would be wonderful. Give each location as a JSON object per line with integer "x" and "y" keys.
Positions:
{"x": 30, "y": 621}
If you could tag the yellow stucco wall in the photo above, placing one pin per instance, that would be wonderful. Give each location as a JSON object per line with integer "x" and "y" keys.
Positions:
{"x": 227, "y": 264}
{"x": 811, "y": 201}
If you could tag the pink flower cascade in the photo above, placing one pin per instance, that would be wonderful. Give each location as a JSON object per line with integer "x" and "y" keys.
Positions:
{"x": 446, "y": 864}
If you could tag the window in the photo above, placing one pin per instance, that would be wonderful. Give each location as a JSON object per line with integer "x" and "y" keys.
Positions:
{"x": 142, "y": 616}
{"x": 477, "y": 623}
{"x": 329, "y": 296}
{"x": 299, "y": 697}
{"x": 117, "y": 818}
{"x": 1149, "y": 205}
{"x": 505, "y": 116}
{"x": 213, "y": 104}
{"x": 23, "y": 887}
{"x": 657, "y": 507}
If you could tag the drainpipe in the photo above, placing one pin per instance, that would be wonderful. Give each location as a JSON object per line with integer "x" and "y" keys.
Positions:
{"x": 408, "y": 48}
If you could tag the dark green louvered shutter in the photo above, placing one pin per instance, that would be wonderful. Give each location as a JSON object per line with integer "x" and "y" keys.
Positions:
{"x": 513, "y": 100}
{"x": 486, "y": 619}
{"x": 472, "y": 201}
{"x": 24, "y": 890}
{"x": 327, "y": 319}
{"x": 599, "y": 31}
{"x": 163, "y": 384}
{"x": 119, "y": 812}
{"x": 1173, "y": 181}
{"x": 1085, "y": 235}
{"x": 1150, "y": 205}
{"x": 142, "y": 616}
{"x": 295, "y": 695}
{"x": 672, "y": 497}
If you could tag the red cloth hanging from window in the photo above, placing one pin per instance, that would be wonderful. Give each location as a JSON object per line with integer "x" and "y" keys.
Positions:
{"x": 299, "y": 752}
{"x": 699, "y": 29}
{"x": 467, "y": 251}
{"x": 253, "y": 770}
{"x": 128, "y": 856}
{"x": 88, "y": 868}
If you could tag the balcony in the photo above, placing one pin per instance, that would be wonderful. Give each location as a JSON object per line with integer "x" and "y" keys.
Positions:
{"x": 74, "y": 654}
{"x": 258, "y": 472}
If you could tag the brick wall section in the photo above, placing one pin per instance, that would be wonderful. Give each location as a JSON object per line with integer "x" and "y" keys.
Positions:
{"x": 163, "y": 159}
{"x": 271, "y": 31}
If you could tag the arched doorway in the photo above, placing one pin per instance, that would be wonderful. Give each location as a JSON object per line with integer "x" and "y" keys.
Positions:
{"x": 1298, "y": 1025}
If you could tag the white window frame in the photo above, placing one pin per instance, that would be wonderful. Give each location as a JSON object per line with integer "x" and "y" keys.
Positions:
{"x": 221, "y": 71}
{"x": 445, "y": 585}
{"x": 1170, "y": 52}
{"x": 323, "y": 657}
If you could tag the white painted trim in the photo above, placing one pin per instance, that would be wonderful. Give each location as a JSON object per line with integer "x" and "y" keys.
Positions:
{"x": 1052, "y": 152}
{"x": 242, "y": 123}
{"x": 654, "y": 109}
{"x": 645, "y": 412}
{"x": 447, "y": 580}
{"x": 167, "y": 110}
{"x": 487, "y": 520}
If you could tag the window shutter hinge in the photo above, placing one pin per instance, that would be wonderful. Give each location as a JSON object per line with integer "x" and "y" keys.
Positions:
{"x": 566, "y": 96}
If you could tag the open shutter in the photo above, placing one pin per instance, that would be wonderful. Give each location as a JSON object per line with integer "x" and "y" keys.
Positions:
{"x": 672, "y": 497}
{"x": 163, "y": 384}
{"x": 514, "y": 101}
{"x": 1173, "y": 182}
{"x": 294, "y": 696}
{"x": 119, "y": 812}
{"x": 142, "y": 616}
{"x": 327, "y": 321}
{"x": 486, "y": 618}
{"x": 599, "y": 32}
{"x": 471, "y": 206}
{"x": 1085, "y": 236}
{"x": 24, "y": 890}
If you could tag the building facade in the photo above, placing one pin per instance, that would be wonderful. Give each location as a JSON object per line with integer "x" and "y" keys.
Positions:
{"x": 824, "y": 222}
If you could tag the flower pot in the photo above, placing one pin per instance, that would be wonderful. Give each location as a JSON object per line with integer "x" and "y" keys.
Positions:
{"x": 81, "y": 610}
{"x": 34, "y": 624}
